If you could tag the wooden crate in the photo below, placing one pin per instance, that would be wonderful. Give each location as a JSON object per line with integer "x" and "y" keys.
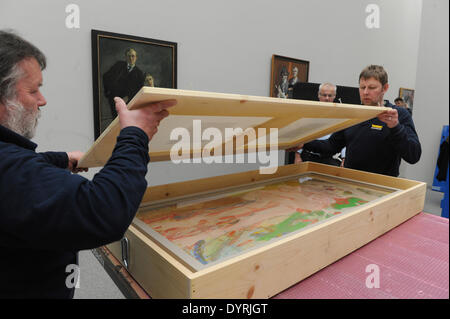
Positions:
{"x": 268, "y": 270}
{"x": 264, "y": 270}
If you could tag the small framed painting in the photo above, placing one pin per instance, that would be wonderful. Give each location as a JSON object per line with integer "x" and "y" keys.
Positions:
{"x": 285, "y": 73}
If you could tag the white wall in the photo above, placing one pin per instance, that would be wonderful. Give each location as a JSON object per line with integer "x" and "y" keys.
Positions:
{"x": 223, "y": 46}
{"x": 431, "y": 100}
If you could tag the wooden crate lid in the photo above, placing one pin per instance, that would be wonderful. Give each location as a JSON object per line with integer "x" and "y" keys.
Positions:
{"x": 297, "y": 121}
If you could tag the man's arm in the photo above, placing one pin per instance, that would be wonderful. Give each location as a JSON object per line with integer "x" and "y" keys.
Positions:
{"x": 403, "y": 135}
{"x": 327, "y": 147}
{"x": 68, "y": 212}
{"x": 59, "y": 159}
{"x": 64, "y": 160}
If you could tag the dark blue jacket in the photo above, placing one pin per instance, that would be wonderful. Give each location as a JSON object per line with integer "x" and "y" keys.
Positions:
{"x": 48, "y": 214}
{"x": 372, "y": 146}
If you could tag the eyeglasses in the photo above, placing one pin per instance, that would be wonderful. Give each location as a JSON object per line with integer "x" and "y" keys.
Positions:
{"x": 327, "y": 95}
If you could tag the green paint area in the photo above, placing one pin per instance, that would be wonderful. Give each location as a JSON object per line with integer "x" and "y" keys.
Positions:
{"x": 299, "y": 220}
{"x": 348, "y": 202}
{"x": 292, "y": 223}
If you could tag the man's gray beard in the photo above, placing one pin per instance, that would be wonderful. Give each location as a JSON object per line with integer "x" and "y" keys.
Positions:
{"x": 21, "y": 120}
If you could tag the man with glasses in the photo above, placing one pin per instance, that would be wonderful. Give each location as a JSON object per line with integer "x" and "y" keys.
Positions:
{"x": 327, "y": 93}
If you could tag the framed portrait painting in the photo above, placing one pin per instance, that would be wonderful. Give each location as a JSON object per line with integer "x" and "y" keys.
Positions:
{"x": 408, "y": 97}
{"x": 122, "y": 64}
{"x": 285, "y": 73}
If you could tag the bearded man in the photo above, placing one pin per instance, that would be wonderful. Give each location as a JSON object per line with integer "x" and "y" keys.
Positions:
{"x": 48, "y": 214}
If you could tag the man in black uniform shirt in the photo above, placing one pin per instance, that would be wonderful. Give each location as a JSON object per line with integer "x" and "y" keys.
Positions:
{"x": 379, "y": 144}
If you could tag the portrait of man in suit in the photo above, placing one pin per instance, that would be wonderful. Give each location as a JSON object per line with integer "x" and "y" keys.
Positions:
{"x": 124, "y": 79}
{"x": 121, "y": 65}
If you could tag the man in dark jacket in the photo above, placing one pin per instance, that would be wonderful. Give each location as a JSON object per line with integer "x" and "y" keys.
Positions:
{"x": 48, "y": 214}
{"x": 379, "y": 144}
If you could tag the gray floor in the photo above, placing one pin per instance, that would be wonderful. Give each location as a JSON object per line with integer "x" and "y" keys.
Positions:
{"x": 95, "y": 283}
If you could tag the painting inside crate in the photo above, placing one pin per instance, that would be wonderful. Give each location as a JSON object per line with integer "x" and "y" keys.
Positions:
{"x": 205, "y": 231}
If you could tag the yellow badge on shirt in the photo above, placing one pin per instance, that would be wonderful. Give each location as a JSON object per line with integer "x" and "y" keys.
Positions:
{"x": 377, "y": 127}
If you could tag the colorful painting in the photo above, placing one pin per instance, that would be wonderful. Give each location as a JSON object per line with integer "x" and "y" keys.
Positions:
{"x": 212, "y": 230}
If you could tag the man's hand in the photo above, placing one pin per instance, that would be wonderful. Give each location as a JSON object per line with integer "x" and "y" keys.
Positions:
{"x": 146, "y": 118}
{"x": 389, "y": 117}
{"x": 295, "y": 148}
{"x": 298, "y": 158}
{"x": 74, "y": 157}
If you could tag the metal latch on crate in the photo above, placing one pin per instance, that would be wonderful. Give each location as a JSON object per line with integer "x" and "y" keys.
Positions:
{"x": 125, "y": 244}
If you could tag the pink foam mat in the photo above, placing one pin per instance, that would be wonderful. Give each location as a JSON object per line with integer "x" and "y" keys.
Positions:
{"x": 412, "y": 259}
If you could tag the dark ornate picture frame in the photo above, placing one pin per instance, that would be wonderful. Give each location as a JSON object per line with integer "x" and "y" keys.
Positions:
{"x": 122, "y": 64}
{"x": 283, "y": 77}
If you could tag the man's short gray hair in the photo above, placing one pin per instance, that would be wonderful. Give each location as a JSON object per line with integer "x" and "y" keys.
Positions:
{"x": 328, "y": 84}
{"x": 14, "y": 49}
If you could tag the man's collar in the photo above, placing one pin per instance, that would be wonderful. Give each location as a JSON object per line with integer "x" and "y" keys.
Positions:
{"x": 8, "y": 136}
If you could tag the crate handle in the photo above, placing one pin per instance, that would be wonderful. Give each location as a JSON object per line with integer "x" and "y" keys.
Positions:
{"x": 125, "y": 244}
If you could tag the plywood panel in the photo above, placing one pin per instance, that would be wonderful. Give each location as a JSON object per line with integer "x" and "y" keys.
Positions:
{"x": 241, "y": 111}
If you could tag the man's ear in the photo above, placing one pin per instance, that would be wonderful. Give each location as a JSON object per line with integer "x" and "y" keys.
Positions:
{"x": 385, "y": 87}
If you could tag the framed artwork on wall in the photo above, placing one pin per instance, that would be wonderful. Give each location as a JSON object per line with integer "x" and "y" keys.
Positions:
{"x": 408, "y": 97}
{"x": 285, "y": 73}
{"x": 122, "y": 64}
